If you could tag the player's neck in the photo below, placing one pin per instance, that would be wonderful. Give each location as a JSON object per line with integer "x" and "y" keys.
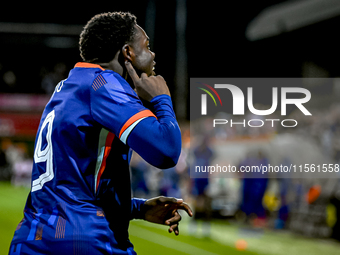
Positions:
{"x": 113, "y": 65}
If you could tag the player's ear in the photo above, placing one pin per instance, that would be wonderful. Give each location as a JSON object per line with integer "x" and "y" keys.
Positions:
{"x": 128, "y": 53}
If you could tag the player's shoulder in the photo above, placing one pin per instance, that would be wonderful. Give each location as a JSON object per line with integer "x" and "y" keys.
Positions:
{"x": 101, "y": 80}
{"x": 115, "y": 85}
{"x": 115, "y": 80}
{"x": 84, "y": 73}
{"x": 118, "y": 88}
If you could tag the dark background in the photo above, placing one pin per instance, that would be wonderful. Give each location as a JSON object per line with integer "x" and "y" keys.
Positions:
{"x": 215, "y": 42}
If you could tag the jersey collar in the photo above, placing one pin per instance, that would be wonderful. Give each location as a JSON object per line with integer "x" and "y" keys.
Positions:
{"x": 88, "y": 65}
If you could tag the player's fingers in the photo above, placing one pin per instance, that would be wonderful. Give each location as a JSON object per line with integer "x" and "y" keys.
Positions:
{"x": 173, "y": 227}
{"x": 160, "y": 77}
{"x": 134, "y": 76}
{"x": 170, "y": 200}
{"x": 176, "y": 230}
{"x": 175, "y": 219}
{"x": 143, "y": 76}
{"x": 184, "y": 206}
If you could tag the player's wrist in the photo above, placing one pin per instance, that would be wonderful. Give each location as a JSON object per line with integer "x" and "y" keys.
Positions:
{"x": 138, "y": 211}
{"x": 157, "y": 98}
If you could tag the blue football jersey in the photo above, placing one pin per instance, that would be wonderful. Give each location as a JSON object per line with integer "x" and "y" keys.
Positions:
{"x": 80, "y": 200}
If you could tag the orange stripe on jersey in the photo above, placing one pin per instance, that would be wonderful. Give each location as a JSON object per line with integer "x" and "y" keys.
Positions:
{"x": 88, "y": 65}
{"x": 98, "y": 82}
{"x": 137, "y": 116}
{"x": 108, "y": 143}
{"x": 60, "y": 228}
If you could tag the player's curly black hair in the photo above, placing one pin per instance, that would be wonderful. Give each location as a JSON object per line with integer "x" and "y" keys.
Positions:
{"x": 105, "y": 34}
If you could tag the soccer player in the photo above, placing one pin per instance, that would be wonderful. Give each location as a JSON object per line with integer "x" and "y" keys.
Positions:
{"x": 80, "y": 200}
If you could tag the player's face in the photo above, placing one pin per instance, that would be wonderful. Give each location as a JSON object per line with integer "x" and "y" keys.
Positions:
{"x": 143, "y": 57}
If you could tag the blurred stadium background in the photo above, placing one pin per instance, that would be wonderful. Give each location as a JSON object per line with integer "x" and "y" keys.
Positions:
{"x": 38, "y": 46}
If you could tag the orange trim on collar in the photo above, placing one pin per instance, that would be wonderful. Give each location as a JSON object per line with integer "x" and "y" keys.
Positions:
{"x": 88, "y": 65}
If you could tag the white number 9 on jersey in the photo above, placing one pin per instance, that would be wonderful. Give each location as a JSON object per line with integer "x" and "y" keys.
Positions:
{"x": 45, "y": 155}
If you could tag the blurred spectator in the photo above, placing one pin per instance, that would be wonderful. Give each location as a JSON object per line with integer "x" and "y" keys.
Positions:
{"x": 169, "y": 183}
{"x": 202, "y": 208}
{"x": 22, "y": 172}
{"x": 4, "y": 168}
{"x": 284, "y": 187}
{"x": 138, "y": 170}
{"x": 254, "y": 189}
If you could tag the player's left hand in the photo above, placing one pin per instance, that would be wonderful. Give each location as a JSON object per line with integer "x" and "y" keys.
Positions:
{"x": 164, "y": 210}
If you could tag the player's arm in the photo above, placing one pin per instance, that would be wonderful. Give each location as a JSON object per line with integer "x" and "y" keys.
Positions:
{"x": 156, "y": 140}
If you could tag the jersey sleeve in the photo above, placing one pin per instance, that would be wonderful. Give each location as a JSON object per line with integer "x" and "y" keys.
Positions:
{"x": 158, "y": 141}
{"x": 115, "y": 105}
{"x": 137, "y": 208}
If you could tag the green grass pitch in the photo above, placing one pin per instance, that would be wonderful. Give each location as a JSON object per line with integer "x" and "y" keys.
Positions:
{"x": 151, "y": 238}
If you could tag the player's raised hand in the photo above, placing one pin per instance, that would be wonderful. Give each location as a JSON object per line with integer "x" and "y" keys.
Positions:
{"x": 164, "y": 210}
{"x": 147, "y": 87}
